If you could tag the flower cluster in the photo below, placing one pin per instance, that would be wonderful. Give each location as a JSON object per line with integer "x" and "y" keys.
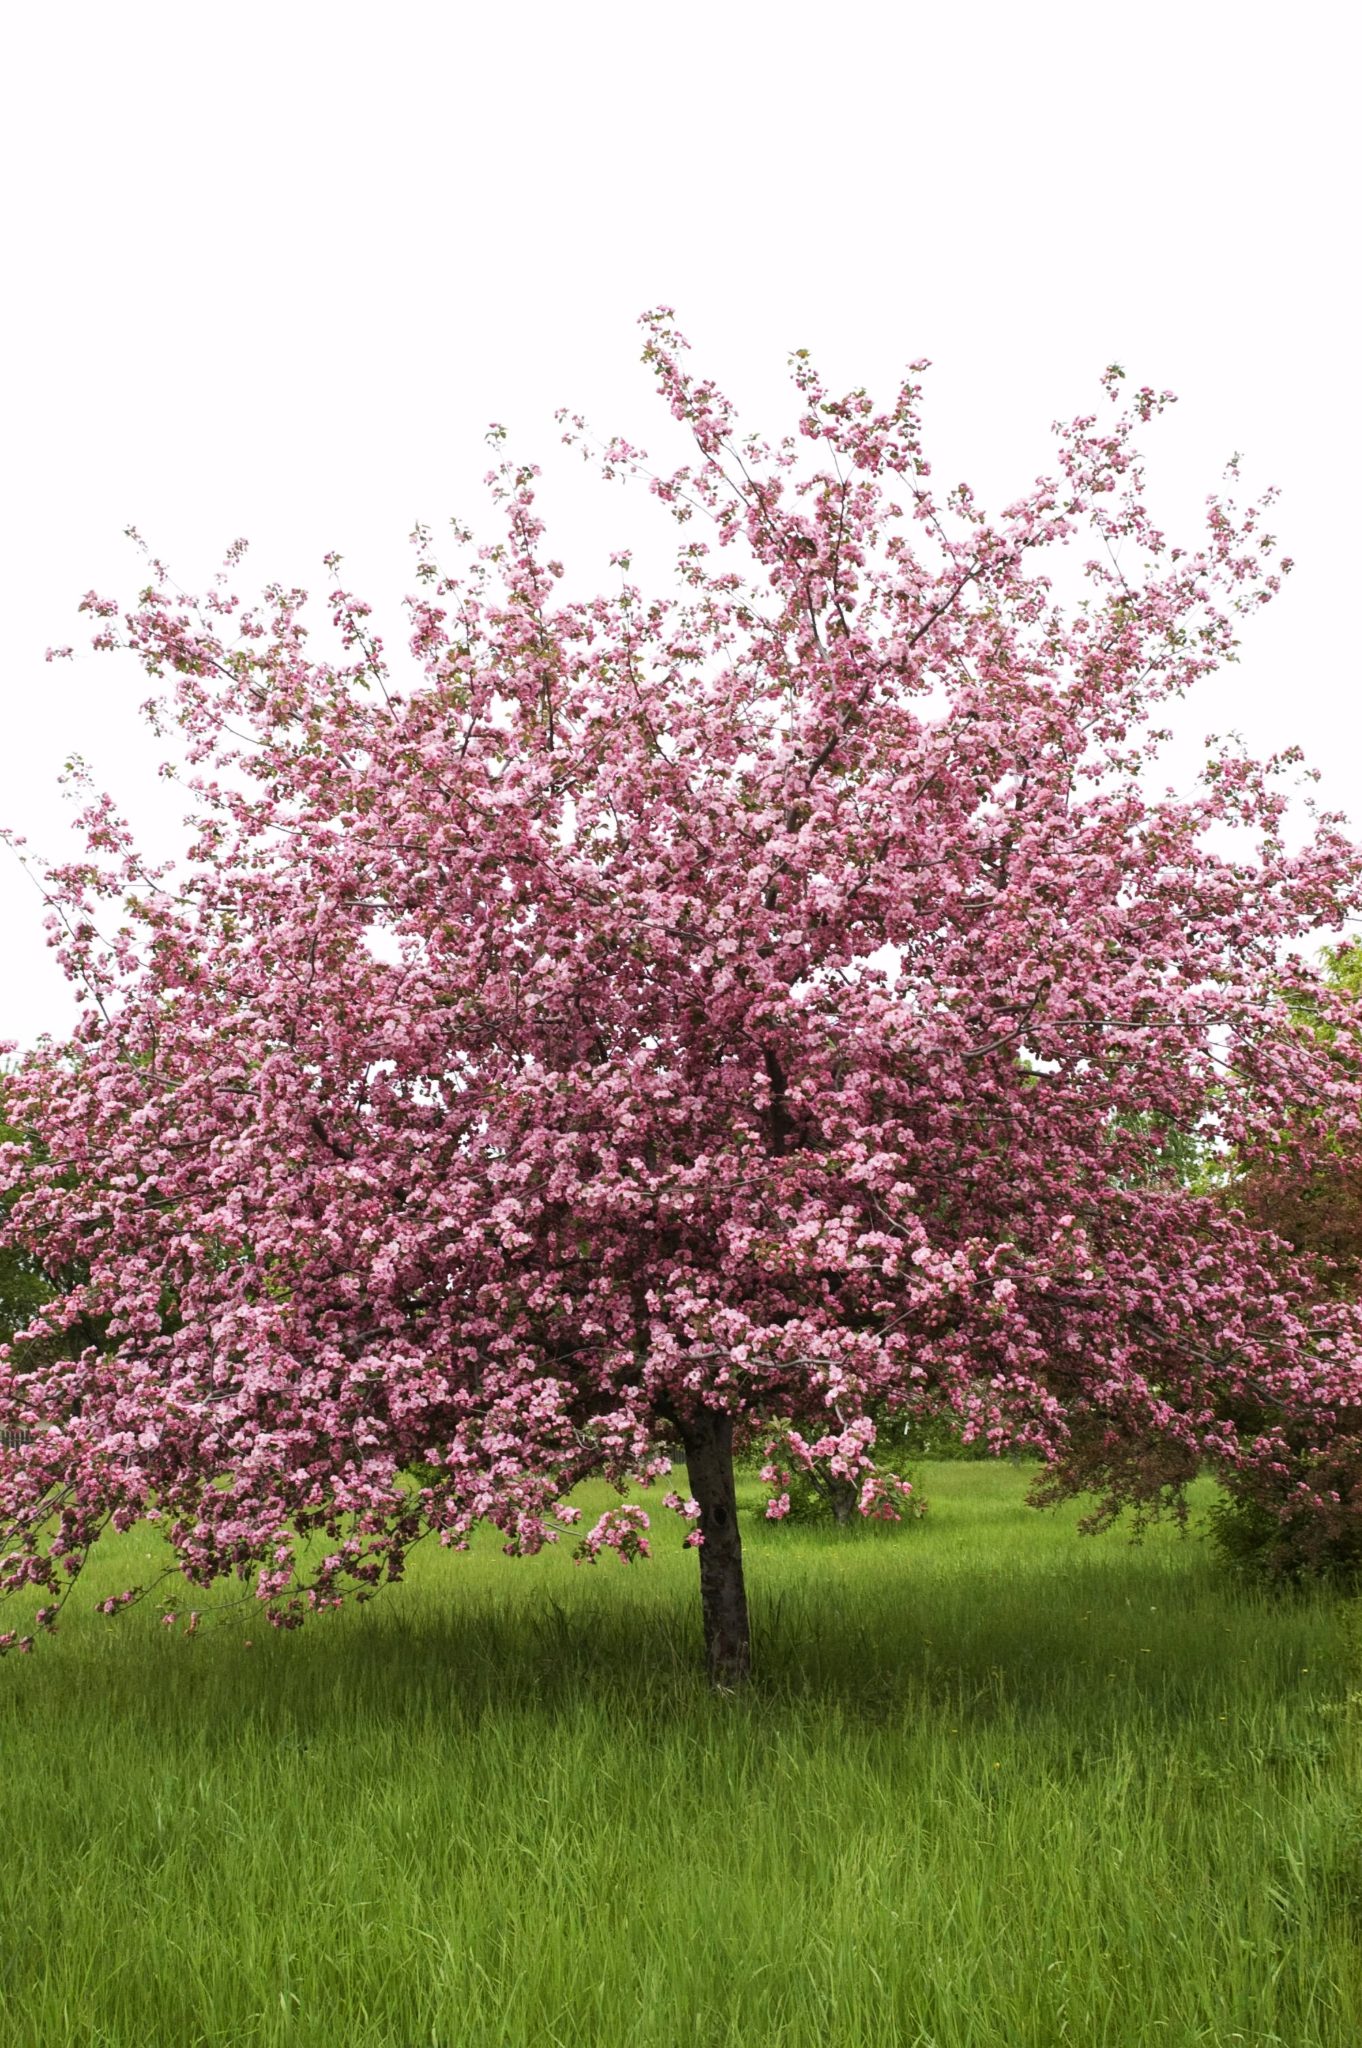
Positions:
{"x": 836, "y": 1473}
{"x": 623, "y": 1530}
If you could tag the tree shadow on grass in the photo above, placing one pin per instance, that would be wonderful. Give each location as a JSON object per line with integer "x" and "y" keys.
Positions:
{"x": 860, "y": 1629}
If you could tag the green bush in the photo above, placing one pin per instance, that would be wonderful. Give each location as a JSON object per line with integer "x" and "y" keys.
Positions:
{"x": 1260, "y": 1542}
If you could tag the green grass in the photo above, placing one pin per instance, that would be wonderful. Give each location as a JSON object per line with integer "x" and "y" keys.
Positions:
{"x": 995, "y": 1786}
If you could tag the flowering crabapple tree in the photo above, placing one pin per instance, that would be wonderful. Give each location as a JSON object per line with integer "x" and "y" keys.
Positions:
{"x": 834, "y": 1475}
{"x": 640, "y": 1020}
{"x": 1311, "y": 1196}
{"x": 1321, "y": 1214}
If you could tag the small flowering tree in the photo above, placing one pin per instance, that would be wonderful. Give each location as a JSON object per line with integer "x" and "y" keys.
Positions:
{"x": 835, "y": 1474}
{"x": 664, "y": 1013}
{"x": 1300, "y": 1511}
{"x": 1318, "y": 1211}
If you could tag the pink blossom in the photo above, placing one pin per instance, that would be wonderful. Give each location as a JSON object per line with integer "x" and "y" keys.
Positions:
{"x": 416, "y": 1157}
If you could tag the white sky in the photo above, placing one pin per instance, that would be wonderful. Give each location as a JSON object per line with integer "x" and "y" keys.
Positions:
{"x": 273, "y": 268}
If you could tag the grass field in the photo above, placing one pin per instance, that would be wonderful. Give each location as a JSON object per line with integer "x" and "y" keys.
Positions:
{"x": 996, "y": 1786}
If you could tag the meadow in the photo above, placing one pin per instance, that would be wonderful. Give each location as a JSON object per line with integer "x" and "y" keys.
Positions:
{"x": 996, "y": 1785}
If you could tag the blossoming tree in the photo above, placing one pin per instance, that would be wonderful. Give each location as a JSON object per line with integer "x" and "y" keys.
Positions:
{"x": 653, "y": 1016}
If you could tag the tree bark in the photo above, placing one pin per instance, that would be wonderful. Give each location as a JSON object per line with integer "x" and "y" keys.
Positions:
{"x": 842, "y": 1495}
{"x": 708, "y": 1437}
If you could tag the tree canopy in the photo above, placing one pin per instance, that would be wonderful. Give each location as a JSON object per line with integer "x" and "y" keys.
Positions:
{"x": 636, "y": 1019}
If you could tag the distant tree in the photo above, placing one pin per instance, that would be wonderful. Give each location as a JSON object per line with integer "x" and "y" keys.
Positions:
{"x": 1302, "y": 1513}
{"x": 1292, "y": 1498}
{"x": 611, "y": 1034}
{"x": 837, "y": 1473}
{"x": 1314, "y": 1201}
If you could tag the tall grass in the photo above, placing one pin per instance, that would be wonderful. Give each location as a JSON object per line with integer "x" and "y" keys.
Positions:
{"x": 995, "y": 1786}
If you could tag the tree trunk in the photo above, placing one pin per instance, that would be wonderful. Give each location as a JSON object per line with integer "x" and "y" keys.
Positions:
{"x": 708, "y": 1438}
{"x": 843, "y": 1497}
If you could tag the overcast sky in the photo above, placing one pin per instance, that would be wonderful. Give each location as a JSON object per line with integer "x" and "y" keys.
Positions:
{"x": 272, "y": 270}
